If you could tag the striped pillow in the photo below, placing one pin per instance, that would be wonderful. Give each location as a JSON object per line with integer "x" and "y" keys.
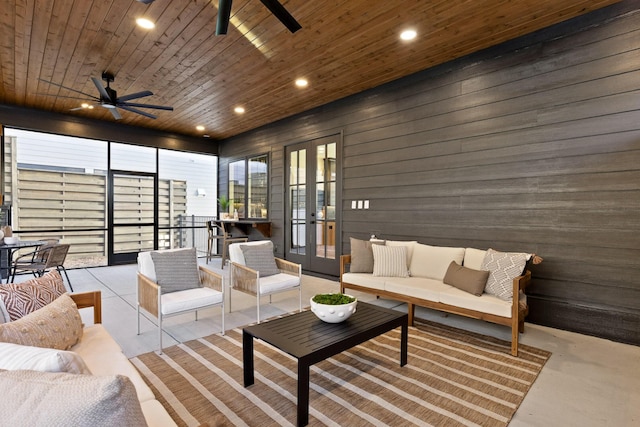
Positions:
{"x": 390, "y": 261}
{"x": 19, "y": 299}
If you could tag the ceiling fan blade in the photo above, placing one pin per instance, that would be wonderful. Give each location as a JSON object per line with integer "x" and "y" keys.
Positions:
{"x": 282, "y": 14}
{"x": 67, "y": 88}
{"x": 135, "y": 110}
{"x": 224, "y": 13}
{"x": 115, "y": 113}
{"x": 133, "y": 104}
{"x": 103, "y": 92}
{"x": 135, "y": 95}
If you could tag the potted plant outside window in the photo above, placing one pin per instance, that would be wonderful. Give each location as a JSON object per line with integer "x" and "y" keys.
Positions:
{"x": 224, "y": 202}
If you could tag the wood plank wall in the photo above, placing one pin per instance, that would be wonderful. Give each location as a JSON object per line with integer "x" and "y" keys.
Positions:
{"x": 530, "y": 146}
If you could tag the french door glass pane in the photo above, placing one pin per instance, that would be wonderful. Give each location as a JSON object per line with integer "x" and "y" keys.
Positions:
{"x": 298, "y": 201}
{"x": 325, "y": 201}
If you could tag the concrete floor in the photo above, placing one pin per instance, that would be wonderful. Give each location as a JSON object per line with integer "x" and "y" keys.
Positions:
{"x": 587, "y": 381}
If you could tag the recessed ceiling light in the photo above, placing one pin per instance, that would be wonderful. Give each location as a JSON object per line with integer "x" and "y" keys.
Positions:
{"x": 239, "y": 110}
{"x": 145, "y": 23}
{"x": 408, "y": 35}
{"x": 200, "y": 128}
{"x": 302, "y": 82}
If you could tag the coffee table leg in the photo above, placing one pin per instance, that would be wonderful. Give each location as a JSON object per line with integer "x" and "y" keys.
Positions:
{"x": 404, "y": 337}
{"x": 303, "y": 394}
{"x": 247, "y": 358}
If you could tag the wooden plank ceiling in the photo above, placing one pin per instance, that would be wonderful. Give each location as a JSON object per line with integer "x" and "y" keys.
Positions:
{"x": 344, "y": 47}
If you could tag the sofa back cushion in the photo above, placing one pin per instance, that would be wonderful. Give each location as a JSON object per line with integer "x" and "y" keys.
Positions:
{"x": 407, "y": 244}
{"x": 433, "y": 261}
{"x": 473, "y": 258}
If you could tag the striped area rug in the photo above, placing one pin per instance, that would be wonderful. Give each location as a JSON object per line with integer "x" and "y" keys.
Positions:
{"x": 453, "y": 378}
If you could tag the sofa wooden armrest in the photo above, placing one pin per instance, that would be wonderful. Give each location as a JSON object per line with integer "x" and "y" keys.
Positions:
{"x": 91, "y": 299}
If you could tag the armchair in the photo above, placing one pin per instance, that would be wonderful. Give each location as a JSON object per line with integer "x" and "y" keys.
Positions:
{"x": 170, "y": 282}
{"x": 255, "y": 271}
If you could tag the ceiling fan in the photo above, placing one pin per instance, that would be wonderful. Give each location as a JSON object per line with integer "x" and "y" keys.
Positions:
{"x": 224, "y": 13}
{"x": 109, "y": 98}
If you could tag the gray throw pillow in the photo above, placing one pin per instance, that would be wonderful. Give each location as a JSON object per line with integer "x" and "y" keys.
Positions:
{"x": 260, "y": 258}
{"x": 176, "y": 270}
{"x": 362, "y": 256}
{"x": 466, "y": 279}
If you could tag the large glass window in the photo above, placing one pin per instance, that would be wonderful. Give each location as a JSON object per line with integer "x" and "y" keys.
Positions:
{"x": 249, "y": 187}
{"x": 57, "y": 187}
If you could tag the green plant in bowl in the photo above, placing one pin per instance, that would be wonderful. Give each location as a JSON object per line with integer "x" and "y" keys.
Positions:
{"x": 333, "y": 299}
{"x": 333, "y": 308}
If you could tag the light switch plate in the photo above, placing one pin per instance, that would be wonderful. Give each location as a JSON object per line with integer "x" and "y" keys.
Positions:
{"x": 353, "y": 204}
{"x": 366, "y": 204}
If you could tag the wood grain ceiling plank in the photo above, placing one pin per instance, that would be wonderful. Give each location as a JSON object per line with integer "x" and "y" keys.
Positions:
{"x": 8, "y": 39}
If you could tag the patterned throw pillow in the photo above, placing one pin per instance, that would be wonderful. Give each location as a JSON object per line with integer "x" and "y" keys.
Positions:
{"x": 176, "y": 270}
{"x": 503, "y": 268}
{"x": 32, "y": 398}
{"x": 390, "y": 261}
{"x": 260, "y": 258}
{"x": 56, "y": 325}
{"x": 19, "y": 299}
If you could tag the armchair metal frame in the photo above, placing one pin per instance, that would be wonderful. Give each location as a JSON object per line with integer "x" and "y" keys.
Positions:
{"x": 149, "y": 297}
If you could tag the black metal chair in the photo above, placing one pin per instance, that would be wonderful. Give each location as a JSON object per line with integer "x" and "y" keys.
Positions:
{"x": 41, "y": 260}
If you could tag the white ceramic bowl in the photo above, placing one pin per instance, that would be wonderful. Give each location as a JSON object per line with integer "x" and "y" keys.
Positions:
{"x": 333, "y": 313}
{"x": 11, "y": 240}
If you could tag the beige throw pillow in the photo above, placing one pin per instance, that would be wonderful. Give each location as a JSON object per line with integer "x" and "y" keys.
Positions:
{"x": 362, "y": 256}
{"x": 31, "y": 398}
{"x": 56, "y": 325}
{"x": 466, "y": 279}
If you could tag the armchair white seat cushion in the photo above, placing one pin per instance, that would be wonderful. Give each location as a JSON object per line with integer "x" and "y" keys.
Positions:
{"x": 189, "y": 300}
{"x": 244, "y": 278}
{"x": 170, "y": 282}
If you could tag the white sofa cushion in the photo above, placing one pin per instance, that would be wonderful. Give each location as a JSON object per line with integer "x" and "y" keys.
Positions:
{"x": 104, "y": 356}
{"x": 407, "y": 244}
{"x": 15, "y": 357}
{"x": 278, "y": 282}
{"x": 485, "y": 304}
{"x": 190, "y": 299}
{"x": 156, "y": 415}
{"x": 473, "y": 258}
{"x": 364, "y": 279}
{"x": 419, "y": 287}
{"x": 433, "y": 261}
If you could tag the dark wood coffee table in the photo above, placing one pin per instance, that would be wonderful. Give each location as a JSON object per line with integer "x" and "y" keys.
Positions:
{"x": 310, "y": 340}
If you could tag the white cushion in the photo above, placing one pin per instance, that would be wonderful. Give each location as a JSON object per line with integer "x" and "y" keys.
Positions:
{"x": 278, "y": 282}
{"x": 433, "y": 261}
{"x": 155, "y": 414}
{"x": 419, "y": 287}
{"x": 190, "y": 299}
{"x": 14, "y": 357}
{"x": 104, "y": 356}
{"x": 364, "y": 279}
{"x": 407, "y": 244}
{"x": 473, "y": 258}
{"x": 485, "y": 304}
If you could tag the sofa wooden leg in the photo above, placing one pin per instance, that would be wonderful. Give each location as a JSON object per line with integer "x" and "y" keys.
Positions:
{"x": 521, "y": 326}
{"x": 411, "y": 309}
